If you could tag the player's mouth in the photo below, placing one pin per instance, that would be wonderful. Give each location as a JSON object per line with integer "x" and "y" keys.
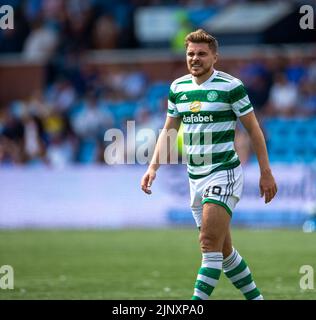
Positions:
{"x": 196, "y": 66}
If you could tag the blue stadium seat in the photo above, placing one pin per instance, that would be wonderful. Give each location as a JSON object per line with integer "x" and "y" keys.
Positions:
{"x": 87, "y": 151}
{"x": 291, "y": 140}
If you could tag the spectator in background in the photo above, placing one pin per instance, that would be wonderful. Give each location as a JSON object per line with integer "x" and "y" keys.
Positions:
{"x": 34, "y": 148}
{"x": 307, "y": 88}
{"x": 184, "y": 28}
{"x": 22, "y": 136}
{"x": 62, "y": 94}
{"x": 257, "y": 79}
{"x": 41, "y": 43}
{"x": 91, "y": 121}
{"x": 61, "y": 150}
{"x": 105, "y": 33}
{"x": 80, "y": 17}
{"x": 113, "y": 80}
{"x": 38, "y": 104}
{"x": 311, "y": 70}
{"x": 307, "y": 105}
{"x": 295, "y": 69}
{"x": 11, "y": 137}
{"x": 283, "y": 97}
{"x": 69, "y": 67}
{"x": 134, "y": 83}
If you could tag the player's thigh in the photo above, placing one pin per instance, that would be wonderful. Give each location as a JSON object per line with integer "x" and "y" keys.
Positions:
{"x": 215, "y": 223}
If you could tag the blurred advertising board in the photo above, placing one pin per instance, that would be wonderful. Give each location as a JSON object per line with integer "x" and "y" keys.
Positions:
{"x": 111, "y": 197}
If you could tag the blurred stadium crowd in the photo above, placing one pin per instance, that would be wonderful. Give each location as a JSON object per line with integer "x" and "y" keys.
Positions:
{"x": 70, "y": 25}
{"x": 65, "y": 122}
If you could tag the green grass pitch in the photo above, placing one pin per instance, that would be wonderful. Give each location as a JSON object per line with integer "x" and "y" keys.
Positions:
{"x": 146, "y": 264}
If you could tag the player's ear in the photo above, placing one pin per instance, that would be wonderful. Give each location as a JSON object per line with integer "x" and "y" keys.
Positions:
{"x": 215, "y": 57}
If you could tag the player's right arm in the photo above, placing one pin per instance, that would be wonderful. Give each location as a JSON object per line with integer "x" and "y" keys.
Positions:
{"x": 150, "y": 175}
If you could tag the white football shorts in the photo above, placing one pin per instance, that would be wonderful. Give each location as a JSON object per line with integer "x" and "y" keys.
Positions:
{"x": 220, "y": 187}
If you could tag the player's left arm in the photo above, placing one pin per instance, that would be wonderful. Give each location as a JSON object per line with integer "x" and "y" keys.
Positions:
{"x": 268, "y": 187}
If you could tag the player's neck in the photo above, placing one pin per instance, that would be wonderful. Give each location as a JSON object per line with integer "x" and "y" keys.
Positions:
{"x": 204, "y": 77}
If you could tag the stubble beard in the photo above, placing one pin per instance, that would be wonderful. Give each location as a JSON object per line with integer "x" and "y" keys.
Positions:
{"x": 201, "y": 73}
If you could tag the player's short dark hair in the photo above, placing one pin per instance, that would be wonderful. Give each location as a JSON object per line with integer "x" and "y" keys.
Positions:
{"x": 201, "y": 36}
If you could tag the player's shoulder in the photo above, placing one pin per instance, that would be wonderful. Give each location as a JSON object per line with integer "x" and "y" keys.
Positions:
{"x": 227, "y": 78}
{"x": 186, "y": 79}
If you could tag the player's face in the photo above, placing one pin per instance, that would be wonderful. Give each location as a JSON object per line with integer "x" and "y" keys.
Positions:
{"x": 200, "y": 59}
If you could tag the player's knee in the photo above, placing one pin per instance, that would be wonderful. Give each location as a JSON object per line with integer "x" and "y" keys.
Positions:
{"x": 209, "y": 242}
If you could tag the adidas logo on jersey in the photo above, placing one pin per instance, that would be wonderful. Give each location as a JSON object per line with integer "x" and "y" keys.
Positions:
{"x": 184, "y": 97}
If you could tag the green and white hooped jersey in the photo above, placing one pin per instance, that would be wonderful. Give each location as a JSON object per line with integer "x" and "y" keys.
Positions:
{"x": 209, "y": 113}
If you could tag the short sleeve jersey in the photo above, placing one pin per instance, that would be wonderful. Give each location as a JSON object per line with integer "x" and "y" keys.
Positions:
{"x": 209, "y": 112}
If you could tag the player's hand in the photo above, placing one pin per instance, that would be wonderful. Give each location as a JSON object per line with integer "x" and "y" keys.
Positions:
{"x": 268, "y": 187}
{"x": 147, "y": 180}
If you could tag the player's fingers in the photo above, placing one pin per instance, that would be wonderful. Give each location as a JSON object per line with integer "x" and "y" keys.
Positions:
{"x": 275, "y": 189}
{"x": 150, "y": 181}
{"x": 267, "y": 197}
{"x": 146, "y": 190}
{"x": 144, "y": 182}
{"x": 273, "y": 192}
{"x": 269, "y": 194}
{"x": 261, "y": 191}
